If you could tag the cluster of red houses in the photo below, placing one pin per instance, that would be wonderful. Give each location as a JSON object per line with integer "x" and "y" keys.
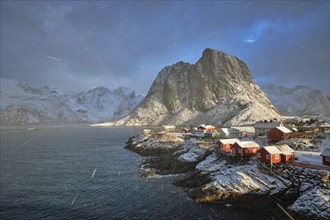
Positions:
{"x": 272, "y": 154}
{"x": 267, "y": 154}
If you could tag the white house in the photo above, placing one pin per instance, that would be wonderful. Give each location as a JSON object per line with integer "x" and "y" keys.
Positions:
{"x": 262, "y": 127}
{"x": 236, "y": 132}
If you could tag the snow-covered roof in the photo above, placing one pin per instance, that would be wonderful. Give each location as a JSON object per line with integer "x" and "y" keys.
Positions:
{"x": 209, "y": 127}
{"x": 284, "y": 129}
{"x": 246, "y": 129}
{"x": 246, "y": 144}
{"x": 225, "y": 130}
{"x": 229, "y": 141}
{"x": 268, "y": 124}
{"x": 285, "y": 148}
{"x": 206, "y": 127}
{"x": 228, "y": 131}
{"x": 272, "y": 149}
{"x": 326, "y": 152}
{"x": 168, "y": 126}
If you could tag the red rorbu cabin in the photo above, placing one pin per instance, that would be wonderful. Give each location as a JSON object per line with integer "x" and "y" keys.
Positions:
{"x": 278, "y": 133}
{"x": 269, "y": 154}
{"x": 287, "y": 153}
{"x": 206, "y": 128}
{"x": 245, "y": 148}
{"x": 326, "y": 157}
{"x": 225, "y": 144}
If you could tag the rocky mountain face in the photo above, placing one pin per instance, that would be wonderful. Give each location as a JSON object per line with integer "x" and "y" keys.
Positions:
{"x": 23, "y": 104}
{"x": 217, "y": 89}
{"x": 298, "y": 101}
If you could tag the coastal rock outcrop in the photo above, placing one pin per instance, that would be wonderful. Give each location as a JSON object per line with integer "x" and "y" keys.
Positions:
{"x": 245, "y": 183}
{"x": 219, "y": 89}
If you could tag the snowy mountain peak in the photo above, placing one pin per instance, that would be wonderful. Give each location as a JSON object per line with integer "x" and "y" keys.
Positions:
{"x": 298, "y": 101}
{"x": 219, "y": 89}
{"x": 21, "y": 103}
{"x": 124, "y": 91}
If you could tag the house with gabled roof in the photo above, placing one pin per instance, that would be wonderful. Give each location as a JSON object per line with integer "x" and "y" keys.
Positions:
{"x": 326, "y": 157}
{"x": 225, "y": 144}
{"x": 278, "y": 133}
{"x": 275, "y": 154}
{"x": 269, "y": 154}
{"x": 245, "y": 148}
{"x": 262, "y": 127}
{"x": 287, "y": 154}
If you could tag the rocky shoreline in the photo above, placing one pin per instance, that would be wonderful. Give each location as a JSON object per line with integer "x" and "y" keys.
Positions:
{"x": 211, "y": 178}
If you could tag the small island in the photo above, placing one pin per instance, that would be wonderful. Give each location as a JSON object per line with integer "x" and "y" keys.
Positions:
{"x": 215, "y": 168}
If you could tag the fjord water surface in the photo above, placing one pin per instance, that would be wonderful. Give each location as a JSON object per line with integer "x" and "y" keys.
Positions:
{"x": 82, "y": 172}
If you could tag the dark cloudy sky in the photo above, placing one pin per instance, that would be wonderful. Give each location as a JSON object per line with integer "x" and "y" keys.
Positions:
{"x": 75, "y": 45}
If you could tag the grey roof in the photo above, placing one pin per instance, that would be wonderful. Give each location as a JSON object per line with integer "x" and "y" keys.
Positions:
{"x": 229, "y": 131}
{"x": 267, "y": 124}
{"x": 326, "y": 152}
{"x": 285, "y": 148}
{"x": 246, "y": 129}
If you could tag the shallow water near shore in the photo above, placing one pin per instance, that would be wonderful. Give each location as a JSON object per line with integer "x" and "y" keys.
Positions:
{"x": 82, "y": 172}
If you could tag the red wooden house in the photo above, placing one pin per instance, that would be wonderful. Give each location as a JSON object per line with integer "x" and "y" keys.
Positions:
{"x": 278, "y": 133}
{"x": 287, "y": 153}
{"x": 206, "y": 128}
{"x": 269, "y": 154}
{"x": 326, "y": 157}
{"x": 245, "y": 148}
{"x": 225, "y": 144}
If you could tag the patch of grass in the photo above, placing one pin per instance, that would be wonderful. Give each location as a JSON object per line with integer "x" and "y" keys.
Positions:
{"x": 169, "y": 138}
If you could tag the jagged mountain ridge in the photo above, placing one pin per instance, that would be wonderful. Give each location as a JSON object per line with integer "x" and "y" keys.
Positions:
{"x": 298, "y": 101}
{"x": 217, "y": 89}
{"x": 23, "y": 104}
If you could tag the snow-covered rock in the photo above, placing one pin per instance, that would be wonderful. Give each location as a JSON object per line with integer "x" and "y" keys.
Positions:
{"x": 192, "y": 152}
{"x": 230, "y": 180}
{"x": 219, "y": 88}
{"x": 210, "y": 164}
{"x": 298, "y": 101}
{"x": 243, "y": 183}
{"x": 301, "y": 144}
{"x": 23, "y": 104}
{"x": 313, "y": 203}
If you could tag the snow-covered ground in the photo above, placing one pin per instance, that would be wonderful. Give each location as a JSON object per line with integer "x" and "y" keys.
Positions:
{"x": 315, "y": 202}
{"x": 242, "y": 179}
{"x": 308, "y": 157}
{"x": 315, "y": 144}
{"x": 232, "y": 182}
{"x": 192, "y": 152}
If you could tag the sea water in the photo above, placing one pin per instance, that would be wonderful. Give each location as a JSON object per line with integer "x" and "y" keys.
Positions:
{"x": 82, "y": 172}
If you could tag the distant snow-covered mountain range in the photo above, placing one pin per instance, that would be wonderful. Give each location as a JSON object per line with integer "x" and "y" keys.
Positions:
{"x": 298, "y": 101}
{"x": 23, "y": 104}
